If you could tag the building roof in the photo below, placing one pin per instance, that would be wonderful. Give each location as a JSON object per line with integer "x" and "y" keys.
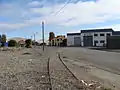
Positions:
{"x": 97, "y": 30}
{"x": 68, "y": 34}
{"x": 116, "y": 33}
{"x": 60, "y": 36}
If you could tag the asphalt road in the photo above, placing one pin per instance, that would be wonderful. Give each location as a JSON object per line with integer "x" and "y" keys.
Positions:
{"x": 109, "y": 61}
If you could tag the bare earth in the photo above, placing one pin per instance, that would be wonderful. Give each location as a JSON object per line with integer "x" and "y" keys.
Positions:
{"x": 23, "y": 69}
{"x": 27, "y": 69}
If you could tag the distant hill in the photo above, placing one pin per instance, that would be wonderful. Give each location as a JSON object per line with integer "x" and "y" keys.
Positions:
{"x": 17, "y": 39}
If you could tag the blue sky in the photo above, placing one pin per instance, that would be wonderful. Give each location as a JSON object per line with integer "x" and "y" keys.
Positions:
{"x": 22, "y": 18}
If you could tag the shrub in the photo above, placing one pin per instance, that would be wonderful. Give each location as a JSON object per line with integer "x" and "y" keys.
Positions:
{"x": 28, "y": 43}
{"x": 12, "y": 43}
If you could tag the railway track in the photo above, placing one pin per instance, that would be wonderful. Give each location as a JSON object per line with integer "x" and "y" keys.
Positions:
{"x": 61, "y": 76}
{"x": 47, "y": 71}
{"x": 67, "y": 67}
{"x": 40, "y": 73}
{"x": 48, "y": 67}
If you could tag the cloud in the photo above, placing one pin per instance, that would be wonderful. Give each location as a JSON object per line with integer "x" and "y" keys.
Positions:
{"x": 8, "y": 26}
{"x": 74, "y": 31}
{"x": 89, "y": 12}
{"x": 115, "y": 27}
{"x": 5, "y": 9}
{"x": 74, "y": 14}
{"x": 34, "y": 3}
{"x": 26, "y": 23}
{"x": 42, "y": 11}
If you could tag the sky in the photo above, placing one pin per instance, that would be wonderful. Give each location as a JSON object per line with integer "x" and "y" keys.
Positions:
{"x": 22, "y": 18}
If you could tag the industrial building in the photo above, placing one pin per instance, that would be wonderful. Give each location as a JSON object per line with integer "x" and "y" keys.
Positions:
{"x": 96, "y": 37}
{"x": 73, "y": 39}
{"x": 89, "y": 38}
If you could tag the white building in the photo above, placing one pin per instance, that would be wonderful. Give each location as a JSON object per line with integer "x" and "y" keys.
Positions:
{"x": 94, "y": 37}
{"x": 73, "y": 39}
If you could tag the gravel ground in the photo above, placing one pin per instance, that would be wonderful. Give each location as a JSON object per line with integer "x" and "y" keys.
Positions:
{"x": 61, "y": 78}
{"x": 27, "y": 69}
{"x": 23, "y": 70}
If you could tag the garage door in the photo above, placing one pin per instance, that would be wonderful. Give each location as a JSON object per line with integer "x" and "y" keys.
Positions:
{"x": 88, "y": 40}
{"x": 77, "y": 41}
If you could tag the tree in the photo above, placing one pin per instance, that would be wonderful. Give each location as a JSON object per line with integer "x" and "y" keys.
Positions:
{"x": 12, "y": 43}
{"x": 3, "y": 39}
{"x": 51, "y": 35}
{"x": 65, "y": 42}
{"x": 0, "y": 38}
{"x": 28, "y": 43}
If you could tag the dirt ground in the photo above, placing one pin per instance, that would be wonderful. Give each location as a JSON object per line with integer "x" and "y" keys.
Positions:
{"x": 23, "y": 69}
{"x": 26, "y": 69}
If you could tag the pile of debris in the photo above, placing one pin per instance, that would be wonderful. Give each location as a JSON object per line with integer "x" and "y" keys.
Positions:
{"x": 92, "y": 85}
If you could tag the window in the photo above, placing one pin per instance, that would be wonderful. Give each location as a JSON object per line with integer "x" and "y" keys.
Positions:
{"x": 95, "y": 34}
{"x": 102, "y": 41}
{"x": 108, "y": 34}
{"x": 95, "y": 41}
{"x": 57, "y": 39}
{"x": 102, "y": 34}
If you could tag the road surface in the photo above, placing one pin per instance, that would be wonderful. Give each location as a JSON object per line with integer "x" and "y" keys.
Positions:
{"x": 105, "y": 60}
{"x": 94, "y": 64}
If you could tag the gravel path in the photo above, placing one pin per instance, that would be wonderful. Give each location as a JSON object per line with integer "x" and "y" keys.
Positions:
{"x": 61, "y": 78}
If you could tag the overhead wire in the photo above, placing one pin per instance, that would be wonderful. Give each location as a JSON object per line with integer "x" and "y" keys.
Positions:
{"x": 56, "y": 13}
{"x": 62, "y": 7}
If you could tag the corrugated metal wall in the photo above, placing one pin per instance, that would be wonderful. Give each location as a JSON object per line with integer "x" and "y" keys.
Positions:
{"x": 77, "y": 41}
{"x": 88, "y": 40}
{"x": 113, "y": 42}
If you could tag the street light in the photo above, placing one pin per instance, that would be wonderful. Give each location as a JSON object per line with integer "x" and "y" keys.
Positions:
{"x": 34, "y": 35}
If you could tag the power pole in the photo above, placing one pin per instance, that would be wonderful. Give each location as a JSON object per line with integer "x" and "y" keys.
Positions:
{"x": 34, "y": 39}
{"x": 43, "y": 33}
{"x": 31, "y": 37}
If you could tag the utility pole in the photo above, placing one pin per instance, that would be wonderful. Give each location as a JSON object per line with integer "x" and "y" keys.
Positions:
{"x": 43, "y": 33}
{"x": 34, "y": 39}
{"x": 31, "y": 37}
